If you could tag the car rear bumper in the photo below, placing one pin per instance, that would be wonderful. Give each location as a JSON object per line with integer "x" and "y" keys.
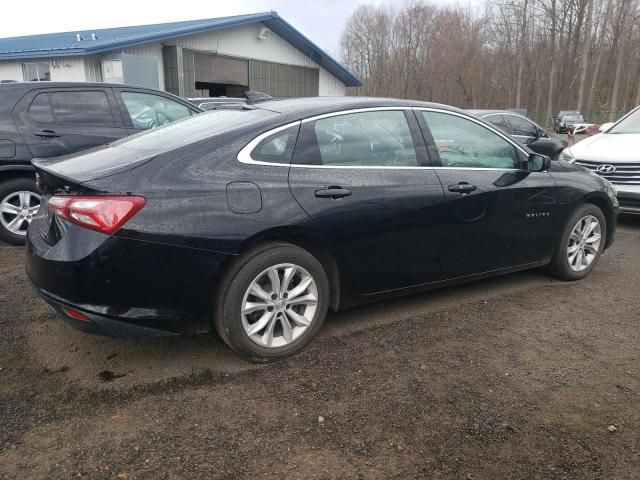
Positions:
{"x": 125, "y": 287}
{"x": 97, "y": 324}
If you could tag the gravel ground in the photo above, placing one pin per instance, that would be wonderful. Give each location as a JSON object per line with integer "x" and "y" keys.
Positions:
{"x": 520, "y": 377}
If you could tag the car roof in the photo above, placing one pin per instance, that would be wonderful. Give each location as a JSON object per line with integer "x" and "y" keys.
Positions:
{"x": 24, "y": 86}
{"x": 318, "y": 105}
{"x": 484, "y": 113}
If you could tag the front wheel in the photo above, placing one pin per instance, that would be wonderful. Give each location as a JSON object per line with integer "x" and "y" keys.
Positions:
{"x": 19, "y": 202}
{"x": 272, "y": 302}
{"x": 581, "y": 244}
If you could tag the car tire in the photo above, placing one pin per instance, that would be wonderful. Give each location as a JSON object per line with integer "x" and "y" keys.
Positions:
{"x": 566, "y": 263}
{"x": 12, "y": 197}
{"x": 243, "y": 319}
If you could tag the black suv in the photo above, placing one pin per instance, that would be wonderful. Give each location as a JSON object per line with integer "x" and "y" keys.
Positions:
{"x": 48, "y": 119}
{"x": 524, "y": 131}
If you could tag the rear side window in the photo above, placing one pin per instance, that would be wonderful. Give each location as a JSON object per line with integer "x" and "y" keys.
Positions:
{"x": 40, "y": 109}
{"x": 276, "y": 148}
{"x": 366, "y": 139}
{"x": 150, "y": 111}
{"x": 81, "y": 108}
{"x": 463, "y": 143}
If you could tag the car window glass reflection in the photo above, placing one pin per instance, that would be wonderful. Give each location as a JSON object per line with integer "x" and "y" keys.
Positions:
{"x": 466, "y": 144}
{"x": 150, "y": 111}
{"x": 277, "y": 148}
{"x": 366, "y": 139}
{"x": 522, "y": 127}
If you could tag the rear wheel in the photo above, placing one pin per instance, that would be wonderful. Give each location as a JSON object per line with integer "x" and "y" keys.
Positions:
{"x": 581, "y": 244}
{"x": 272, "y": 302}
{"x": 19, "y": 202}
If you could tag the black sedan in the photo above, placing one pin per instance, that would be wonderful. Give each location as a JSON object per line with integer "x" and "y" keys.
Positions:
{"x": 524, "y": 131}
{"x": 256, "y": 221}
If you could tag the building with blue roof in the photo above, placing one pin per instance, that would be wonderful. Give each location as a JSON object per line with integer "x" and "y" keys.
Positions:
{"x": 198, "y": 58}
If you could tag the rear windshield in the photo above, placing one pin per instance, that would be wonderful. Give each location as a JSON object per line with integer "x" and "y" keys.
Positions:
{"x": 573, "y": 118}
{"x": 189, "y": 130}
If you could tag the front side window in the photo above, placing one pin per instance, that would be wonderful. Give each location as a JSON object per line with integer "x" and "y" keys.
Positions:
{"x": 149, "y": 111}
{"x": 521, "y": 126}
{"x": 81, "y": 108}
{"x": 366, "y": 139}
{"x": 464, "y": 143}
{"x": 276, "y": 148}
{"x": 36, "y": 72}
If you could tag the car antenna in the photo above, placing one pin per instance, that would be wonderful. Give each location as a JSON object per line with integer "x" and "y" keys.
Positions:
{"x": 255, "y": 97}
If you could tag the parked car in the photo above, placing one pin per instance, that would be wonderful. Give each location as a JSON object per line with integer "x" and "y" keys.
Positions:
{"x": 615, "y": 155}
{"x": 213, "y": 103}
{"x": 567, "y": 120}
{"x": 524, "y": 131}
{"x": 46, "y": 119}
{"x": 257, "y": 221}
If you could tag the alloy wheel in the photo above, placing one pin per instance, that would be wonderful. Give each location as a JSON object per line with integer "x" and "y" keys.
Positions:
{"x": 279, "y": 305}
{"x": 584, "y": 243}
{"x": 17, "y": 210}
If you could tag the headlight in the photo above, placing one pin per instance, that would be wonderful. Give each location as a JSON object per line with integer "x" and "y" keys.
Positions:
{"x": 567, "y": 156}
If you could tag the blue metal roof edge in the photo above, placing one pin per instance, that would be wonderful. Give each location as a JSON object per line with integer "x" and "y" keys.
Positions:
{"x": 288, "y": 32}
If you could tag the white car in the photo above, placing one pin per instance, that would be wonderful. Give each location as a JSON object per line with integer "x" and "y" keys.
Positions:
{"x": 615, "y": 155}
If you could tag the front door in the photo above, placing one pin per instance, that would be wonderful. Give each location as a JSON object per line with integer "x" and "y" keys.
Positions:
{"x": 488, "y": 196}
{"x": 363, "y": 180}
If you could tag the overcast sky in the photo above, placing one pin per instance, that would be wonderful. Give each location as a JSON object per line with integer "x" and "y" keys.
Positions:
{"x": 320, "y": 20}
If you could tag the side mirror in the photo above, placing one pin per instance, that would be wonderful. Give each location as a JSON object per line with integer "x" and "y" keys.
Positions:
{"x": 605, "y": 126}
{"x": 542, "y": 134}
{"x": 538, "y": 163}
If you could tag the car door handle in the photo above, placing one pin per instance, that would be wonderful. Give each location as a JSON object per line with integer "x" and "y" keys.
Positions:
{"x": 333, "y": 192}
{"x": 462, "y": 188}
{"x": 46, "y": 134}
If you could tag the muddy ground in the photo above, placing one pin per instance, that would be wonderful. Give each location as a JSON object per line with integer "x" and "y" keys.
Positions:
{"x": 521, "y": 377}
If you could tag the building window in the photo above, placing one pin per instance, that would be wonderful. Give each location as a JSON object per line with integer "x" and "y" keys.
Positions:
{"x": 36, "y": 72}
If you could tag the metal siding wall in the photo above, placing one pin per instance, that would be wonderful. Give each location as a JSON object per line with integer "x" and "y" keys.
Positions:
{"x": 330, "y": 86}
{"x": 170, "y": 62}
{"x": 153, "y": 50}
{"x": 189, "y": 68}
{"x": 11, "y": 70}
{"x": 243, "y": 41}
{"x": 93, "y": 68}
{"x": 68, "y": 69}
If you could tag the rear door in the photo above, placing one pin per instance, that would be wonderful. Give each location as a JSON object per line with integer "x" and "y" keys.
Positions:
{"x": 61, "y": 121}
{"x": 497, "y": 213}
{"x": 362, "y": 177}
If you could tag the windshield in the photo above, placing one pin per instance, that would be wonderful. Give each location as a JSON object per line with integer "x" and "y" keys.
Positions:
{"x": 189, "y": 130}
{"x": 631, "y": 124}
{"x": 572, "y": 118}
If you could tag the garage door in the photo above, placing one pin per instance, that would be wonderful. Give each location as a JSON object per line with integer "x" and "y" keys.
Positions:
{"x": 280, "y": 80}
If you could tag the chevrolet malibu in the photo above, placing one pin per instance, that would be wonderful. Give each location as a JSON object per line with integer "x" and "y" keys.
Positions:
{"x": 254, "y": 222}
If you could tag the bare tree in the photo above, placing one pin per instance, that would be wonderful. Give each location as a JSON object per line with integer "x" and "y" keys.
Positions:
{"x": 543, "y": 55}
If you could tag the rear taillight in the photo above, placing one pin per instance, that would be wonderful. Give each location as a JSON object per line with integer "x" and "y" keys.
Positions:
{"x": 104, "y": 214}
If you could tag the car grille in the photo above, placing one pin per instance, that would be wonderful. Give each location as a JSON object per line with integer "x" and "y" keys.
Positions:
{"x": 624, "y": 173}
